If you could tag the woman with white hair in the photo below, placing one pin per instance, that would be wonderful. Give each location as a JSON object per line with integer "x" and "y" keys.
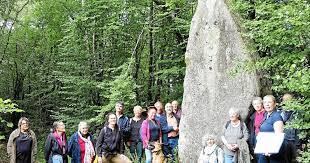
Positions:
{"x": 234, "y": 131}
{"x": 81, "y": 147}
{"x": 136, "y": 146}
{"x": 211, "y": 152}
{"x": 55, "y": 150}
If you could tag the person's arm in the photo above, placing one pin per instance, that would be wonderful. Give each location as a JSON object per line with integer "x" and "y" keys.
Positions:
{"x": 252, "y": 133}
{"x": 99, "y": 143}
{"x": 70, "y": 145}
{"x": 224, "y": 140}
{"x": 164, "y": 125}
{"x": 128, "y": 125}
{"x": 160, "y": 134}
{"x": 229, "y": 146}
{"x": 278, "y": 127}
{"x": 35, "y": 145}
{"x": 122, "y": 147}
{"x": 223, "y": 137}
{"x": 47, "y": 148}
{"x": 143, "y": 132}
{"x": 125, "y": 125}
{"x": 10, "y": 144}
{"x": 278, "y": 124}
{"x": 245, "y": 132}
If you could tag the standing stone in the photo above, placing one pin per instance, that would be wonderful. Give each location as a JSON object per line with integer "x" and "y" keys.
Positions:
{"x": 214, "y": 48}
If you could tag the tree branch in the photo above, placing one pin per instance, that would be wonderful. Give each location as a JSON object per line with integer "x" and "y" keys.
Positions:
{"x": 10, "y": 30}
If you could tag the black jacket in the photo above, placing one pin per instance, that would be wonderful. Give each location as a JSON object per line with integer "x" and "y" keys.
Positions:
{"x": 252, "y": 139}
{"x": 109, "y": 142}
{"x": 52, "y": 147}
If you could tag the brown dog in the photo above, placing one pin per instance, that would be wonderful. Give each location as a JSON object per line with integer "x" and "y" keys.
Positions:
{"x": 157, "y": 154}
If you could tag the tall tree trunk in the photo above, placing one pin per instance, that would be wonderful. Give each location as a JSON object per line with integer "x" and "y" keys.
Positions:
{"x": 159, "y": 81}
{"x": 137, "y": 58}
{"x": 151, "y": 55}
{"x": 18, "y": 83}
{"x": 96, "y": 72}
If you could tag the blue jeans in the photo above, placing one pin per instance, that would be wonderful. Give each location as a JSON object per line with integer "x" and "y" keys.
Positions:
{"x": 148, "y": 155}
{"x": 228, "y": 158}
{"x": 57, "y": 159}
{"x": 165, "y": 149}
{"x": 173, "y": 144}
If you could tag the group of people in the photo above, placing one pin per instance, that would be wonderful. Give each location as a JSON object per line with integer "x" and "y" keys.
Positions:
{"x": 239, "y": 142}
{"x": 155, "y": 135}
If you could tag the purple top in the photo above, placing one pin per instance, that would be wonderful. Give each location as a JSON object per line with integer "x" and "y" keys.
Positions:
{"x": 178, "y": 113}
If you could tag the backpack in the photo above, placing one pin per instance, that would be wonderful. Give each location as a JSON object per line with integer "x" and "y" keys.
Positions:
{"x": 241, "y": 125}
{"x": 130, "y": 120}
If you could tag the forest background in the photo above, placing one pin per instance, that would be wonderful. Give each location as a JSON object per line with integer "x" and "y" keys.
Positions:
{"x": 72, "y": 60}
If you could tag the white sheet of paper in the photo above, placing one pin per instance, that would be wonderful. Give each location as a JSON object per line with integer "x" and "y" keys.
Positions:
{"x": 268, "y": 142}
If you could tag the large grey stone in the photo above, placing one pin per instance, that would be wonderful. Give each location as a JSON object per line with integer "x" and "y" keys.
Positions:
{"x": 214, "y": 48}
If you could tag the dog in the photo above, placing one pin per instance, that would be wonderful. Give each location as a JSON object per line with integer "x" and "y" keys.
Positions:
{"x": 157, "y": 154}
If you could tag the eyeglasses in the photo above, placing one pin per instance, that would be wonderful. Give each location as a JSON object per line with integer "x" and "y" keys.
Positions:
{"x": 24, "y": 124}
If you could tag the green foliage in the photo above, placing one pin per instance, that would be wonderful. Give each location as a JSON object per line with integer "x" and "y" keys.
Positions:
{"x": 121, "y": 88}
{"x": 279, "y": 33}
{"x": 7, "y": 107}
{"x": 71, "y": 60}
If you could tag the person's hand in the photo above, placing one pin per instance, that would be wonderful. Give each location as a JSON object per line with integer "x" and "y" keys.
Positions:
{"x": 99, "y": 159}
{"x": 230, "y": 147}
{"x": 128, "y": 144}
{"x": 267, "y": 154}
{"x": 176, "y": 129}
{"x": 235, "y": 146}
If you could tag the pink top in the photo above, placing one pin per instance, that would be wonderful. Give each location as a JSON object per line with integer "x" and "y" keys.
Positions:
{"x": 258, "y": 120}
{"x": 145, "y": 132}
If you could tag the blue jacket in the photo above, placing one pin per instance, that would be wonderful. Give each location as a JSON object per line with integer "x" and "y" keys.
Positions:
{"x": 290, "y": 133}
{"x": 124, "y": 126}
{"x": 74, "y": 148}
{"x": 123, "y": 123}
{"x": 164, "y": 127}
